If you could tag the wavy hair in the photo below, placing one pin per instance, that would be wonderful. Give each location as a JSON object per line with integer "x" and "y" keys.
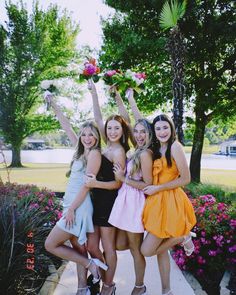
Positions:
{"x": 156, "y": 142}
{"x": 138, "y": 150}
{"x": 124, "y": 140}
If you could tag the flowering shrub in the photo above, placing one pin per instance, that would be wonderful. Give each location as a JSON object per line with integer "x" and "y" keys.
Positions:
{"x": 27, "y": 216}
{"x": 125, "y": 80}
{"x": 215, "y": 245}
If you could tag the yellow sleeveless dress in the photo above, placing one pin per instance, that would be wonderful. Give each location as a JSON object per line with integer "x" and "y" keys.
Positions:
{"x": 168, "y": 213}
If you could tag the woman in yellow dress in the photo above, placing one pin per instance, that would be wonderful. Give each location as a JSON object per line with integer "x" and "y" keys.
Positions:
{"x": 168, "y": 214}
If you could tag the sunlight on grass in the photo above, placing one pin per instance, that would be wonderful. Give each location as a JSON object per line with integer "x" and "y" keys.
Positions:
{"x": 53, "y": 176}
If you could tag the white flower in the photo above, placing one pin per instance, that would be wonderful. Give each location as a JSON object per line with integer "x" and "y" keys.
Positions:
{"x": 45, "y": 84}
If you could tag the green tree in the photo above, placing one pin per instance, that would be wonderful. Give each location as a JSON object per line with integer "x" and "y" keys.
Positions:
{"x": 169, "y": 18}
{"x": 33, "y": 47}
{"x": 209, "y": 32}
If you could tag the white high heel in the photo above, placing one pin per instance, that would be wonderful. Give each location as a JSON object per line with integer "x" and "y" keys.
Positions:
{"x": 98, "y": 264}
{"x": 140, "y": 287}
{"x": 187, "y": 239}
{"x": 168, "y": 293}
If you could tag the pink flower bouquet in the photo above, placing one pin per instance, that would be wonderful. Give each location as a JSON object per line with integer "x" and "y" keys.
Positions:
{"x": 125, "y": 80}
{"x": 90, "y": 70}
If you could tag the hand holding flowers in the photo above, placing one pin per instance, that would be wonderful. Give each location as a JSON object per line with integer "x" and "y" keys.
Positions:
{"x": 49, "y": 87}
{"x": 90, "y": 70}
{"x": 124, "y": 81}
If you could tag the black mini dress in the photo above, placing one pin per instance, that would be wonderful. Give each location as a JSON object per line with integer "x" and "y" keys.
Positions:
{"x": 103, "y": 199}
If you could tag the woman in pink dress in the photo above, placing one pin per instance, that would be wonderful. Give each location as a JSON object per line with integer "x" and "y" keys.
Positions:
{"x": 126, "y": 214}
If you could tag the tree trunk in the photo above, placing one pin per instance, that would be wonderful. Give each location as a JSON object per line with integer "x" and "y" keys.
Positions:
{"x": 196, "y": 154}
{"x": 16, "y": 157}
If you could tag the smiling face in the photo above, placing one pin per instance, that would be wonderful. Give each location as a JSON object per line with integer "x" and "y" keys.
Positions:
{"x": 140, "y": 135}
{"x": 162, "y": 131}
{"x": 88, "y": 138}
{"x": 114, "y": 131}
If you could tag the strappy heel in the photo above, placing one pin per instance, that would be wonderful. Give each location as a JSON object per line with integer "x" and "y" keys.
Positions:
{"x": 84, "y": 289}
{"x": 168, "y": 293}
{"x": 112, "y": 287}
{"x": 97, "y": 263}
{"x": 140, "y": 287}
{"x": 187, "y": 239}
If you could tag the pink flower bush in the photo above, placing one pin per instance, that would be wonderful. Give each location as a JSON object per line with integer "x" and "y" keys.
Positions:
{"x": 215, "y": 244}
{"x": 35, "y": 199}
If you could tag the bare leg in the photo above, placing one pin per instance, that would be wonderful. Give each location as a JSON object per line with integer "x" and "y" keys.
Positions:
{"x": 150, "y": 245}
{"x": 168, "y": 244}
{"x": 122, "y": 242}
{"x": 93, "y": 244}
{"x": 164, "y": 269}
{"x": 81, "y": 270}
{"x": 108, "y": 244}
{"x": 55, "y": 245}
{"x": 135, "y": 241}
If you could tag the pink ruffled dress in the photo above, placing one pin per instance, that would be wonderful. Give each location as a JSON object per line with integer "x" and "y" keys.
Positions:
{"x": 127, "y": 210}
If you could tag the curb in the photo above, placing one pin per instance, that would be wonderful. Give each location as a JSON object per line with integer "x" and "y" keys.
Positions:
{"x": 53, "y": 279}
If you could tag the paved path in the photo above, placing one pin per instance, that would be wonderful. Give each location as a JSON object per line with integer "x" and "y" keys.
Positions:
{"x": 124, "y": 278}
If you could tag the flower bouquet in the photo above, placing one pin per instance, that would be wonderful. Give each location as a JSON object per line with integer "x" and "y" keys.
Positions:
{"x": 89, "y": 71}
{"x": 126, "y": 80}
{"x": 49, "y": 87}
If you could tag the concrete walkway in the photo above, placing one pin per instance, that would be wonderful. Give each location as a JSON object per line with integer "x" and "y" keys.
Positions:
{"x": 124, "y": 278}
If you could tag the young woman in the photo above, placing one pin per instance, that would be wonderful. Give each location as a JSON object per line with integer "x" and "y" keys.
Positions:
{"x": 76, "y": 221}
{"x": 166, "y": 147}
{"x": 115, "y": 133}
{"x": 126, "y": 214}
{"x": 168, "y": 214}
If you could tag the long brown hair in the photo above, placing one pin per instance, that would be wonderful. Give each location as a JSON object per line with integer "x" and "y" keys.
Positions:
{"x": 126, "y": 133}
{"x": 138, "y": 150}
{"x": 156, "y": 142}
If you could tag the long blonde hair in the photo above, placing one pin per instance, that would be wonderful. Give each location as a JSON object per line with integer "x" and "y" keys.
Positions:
{"x": 79, "y": 150}
{"x": 138, "y": 150}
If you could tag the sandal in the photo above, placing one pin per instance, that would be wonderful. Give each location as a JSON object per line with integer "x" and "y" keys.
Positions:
{"x": 168, "y": 293}
{"x": 112, "y": 287}
{"x": 93, "y": 267}
{"x": 83, "y": 289}
{"x": 140, "y": 287}
{"x": 188, "y": 244}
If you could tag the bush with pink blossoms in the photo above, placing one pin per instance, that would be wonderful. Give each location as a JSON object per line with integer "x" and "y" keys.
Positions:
{"x": 27, "y": 216}
{"x": 215, "y": 245}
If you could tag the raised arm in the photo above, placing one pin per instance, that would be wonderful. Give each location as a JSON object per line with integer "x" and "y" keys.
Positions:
{"x": 96, "y": 109}
{"x": 64, "y": 122}
{"x": 133, "y": 104}
{"x": 123, "y": 112}
{"x": 121, "y": 107}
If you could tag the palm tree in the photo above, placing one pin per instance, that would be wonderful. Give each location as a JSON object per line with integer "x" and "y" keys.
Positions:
{"x": 170, "y": 15}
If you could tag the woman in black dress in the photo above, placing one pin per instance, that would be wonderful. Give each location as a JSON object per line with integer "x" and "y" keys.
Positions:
{"x": 115, "y": 133}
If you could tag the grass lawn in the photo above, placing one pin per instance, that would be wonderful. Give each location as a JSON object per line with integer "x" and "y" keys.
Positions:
{"x": 52, "y": 176}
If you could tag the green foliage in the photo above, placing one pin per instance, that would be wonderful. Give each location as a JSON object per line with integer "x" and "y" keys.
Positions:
{"x": 27, "y": 216}
{"x": 171, "y": 13}
{"x": 219, "y": 192}
{"x": 133, "y": 39}
{"x": 32, "y": 48}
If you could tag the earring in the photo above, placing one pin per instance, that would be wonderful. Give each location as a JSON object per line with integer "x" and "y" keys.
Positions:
{"x": 123, "y": 138}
